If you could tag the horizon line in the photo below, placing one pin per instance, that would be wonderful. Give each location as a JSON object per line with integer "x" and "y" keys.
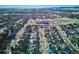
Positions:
{"x": 36, "y": 6}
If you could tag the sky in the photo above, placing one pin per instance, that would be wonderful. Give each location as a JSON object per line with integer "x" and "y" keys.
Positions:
{"x": 34, "y": 6}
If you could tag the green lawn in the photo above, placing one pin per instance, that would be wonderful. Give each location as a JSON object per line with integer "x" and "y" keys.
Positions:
{"x": 69, "y": 21}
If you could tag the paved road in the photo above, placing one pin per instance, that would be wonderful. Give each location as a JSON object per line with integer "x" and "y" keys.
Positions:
{"x": 66, "y": 40}
{"x": 43, "y": 42}
{"x": 19, "y": 34}
{"x": 41, "y": 35}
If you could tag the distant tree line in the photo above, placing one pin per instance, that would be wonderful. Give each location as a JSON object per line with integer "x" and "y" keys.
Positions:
{"x": 70, "y": 15}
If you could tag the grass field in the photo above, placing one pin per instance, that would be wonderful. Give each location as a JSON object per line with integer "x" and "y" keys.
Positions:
{"x": 66, "y": 21}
